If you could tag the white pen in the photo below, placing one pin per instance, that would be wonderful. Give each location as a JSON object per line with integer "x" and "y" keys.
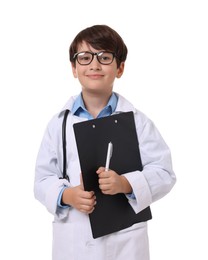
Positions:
{"x": 109, "y": 155}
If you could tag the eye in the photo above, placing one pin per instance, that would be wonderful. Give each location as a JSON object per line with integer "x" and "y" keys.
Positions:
{"x": 105, "y": 56}
{"x": 84, "y": 56}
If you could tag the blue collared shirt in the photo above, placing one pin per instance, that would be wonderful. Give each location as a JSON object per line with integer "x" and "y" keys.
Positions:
{"x": 80, "y": 110}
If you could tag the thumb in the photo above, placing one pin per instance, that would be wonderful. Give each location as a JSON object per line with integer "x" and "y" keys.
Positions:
{"x": 100, "y": 169}
{"x": 81, "y": 181}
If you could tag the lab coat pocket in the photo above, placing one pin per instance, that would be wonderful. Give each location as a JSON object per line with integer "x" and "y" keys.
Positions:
{"x": 63, "y": 236}
{"x": 137, "y": 232}
{"x": 132, "y": 243}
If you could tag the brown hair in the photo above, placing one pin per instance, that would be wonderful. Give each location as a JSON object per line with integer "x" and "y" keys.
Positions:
{"x": 100, "y": 37}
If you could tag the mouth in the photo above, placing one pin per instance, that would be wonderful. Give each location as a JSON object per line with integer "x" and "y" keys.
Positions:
{"x": 95, "y": 76}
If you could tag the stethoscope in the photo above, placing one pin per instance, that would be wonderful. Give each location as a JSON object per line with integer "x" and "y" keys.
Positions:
{"x": 65, "y": 176}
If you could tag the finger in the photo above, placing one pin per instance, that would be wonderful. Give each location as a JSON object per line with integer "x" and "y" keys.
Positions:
{"x": 100, "y": 169}
{"x": 88, "y": 206}
{"x": 87, "y": 209}
{"x": 104, "y": 175}
{"x": 87, "y": 196}
{"x": 88, "y": 203}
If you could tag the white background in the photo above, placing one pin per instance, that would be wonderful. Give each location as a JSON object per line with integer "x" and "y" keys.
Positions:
{"x": 166, "y": 77}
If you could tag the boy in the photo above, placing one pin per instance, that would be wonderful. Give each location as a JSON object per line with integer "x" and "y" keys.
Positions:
{"x": 97, "y": 56}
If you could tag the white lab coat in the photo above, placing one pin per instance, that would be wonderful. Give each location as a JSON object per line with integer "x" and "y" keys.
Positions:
{"x": 72, "y": 237}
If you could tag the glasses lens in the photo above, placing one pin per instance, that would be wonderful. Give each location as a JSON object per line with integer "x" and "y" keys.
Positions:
{"x": 105, "y": 57}
{"x": 84, "y": 58}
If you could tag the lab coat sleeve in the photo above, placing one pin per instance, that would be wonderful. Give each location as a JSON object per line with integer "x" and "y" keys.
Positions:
{"x": 157, "y": 177}
{"x": 47, "y": 185}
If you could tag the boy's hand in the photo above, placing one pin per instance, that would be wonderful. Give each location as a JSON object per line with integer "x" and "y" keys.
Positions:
{"x": 80, "y": 199}
{"x": 111, "y": 183}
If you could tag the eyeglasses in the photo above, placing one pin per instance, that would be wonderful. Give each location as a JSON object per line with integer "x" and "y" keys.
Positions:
{"x": 86, "y": 57}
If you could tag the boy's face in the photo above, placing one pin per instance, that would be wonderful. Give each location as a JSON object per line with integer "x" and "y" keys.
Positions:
{"x": 96, "y": 77}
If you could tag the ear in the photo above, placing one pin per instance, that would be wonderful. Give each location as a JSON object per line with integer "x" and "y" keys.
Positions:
{"x": 74, "y": 71}
{"x": 120, "y": 70}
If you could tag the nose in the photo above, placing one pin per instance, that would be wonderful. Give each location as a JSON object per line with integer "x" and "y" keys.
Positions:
{"x": 95, "y": 64}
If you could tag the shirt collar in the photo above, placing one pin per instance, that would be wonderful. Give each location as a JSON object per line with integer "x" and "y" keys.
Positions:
{"x": 79, "y": 103}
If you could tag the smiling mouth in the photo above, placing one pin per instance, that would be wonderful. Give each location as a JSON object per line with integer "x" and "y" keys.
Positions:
{"x": 95, "y": 76}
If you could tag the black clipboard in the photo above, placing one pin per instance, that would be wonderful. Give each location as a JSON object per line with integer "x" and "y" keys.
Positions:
{"x": 112, "y": 212}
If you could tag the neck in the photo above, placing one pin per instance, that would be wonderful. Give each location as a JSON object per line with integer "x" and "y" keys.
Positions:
{"x": 95, "y": 103}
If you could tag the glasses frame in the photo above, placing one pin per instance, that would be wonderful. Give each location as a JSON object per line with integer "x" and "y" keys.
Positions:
{"x": 93, "y": 55}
